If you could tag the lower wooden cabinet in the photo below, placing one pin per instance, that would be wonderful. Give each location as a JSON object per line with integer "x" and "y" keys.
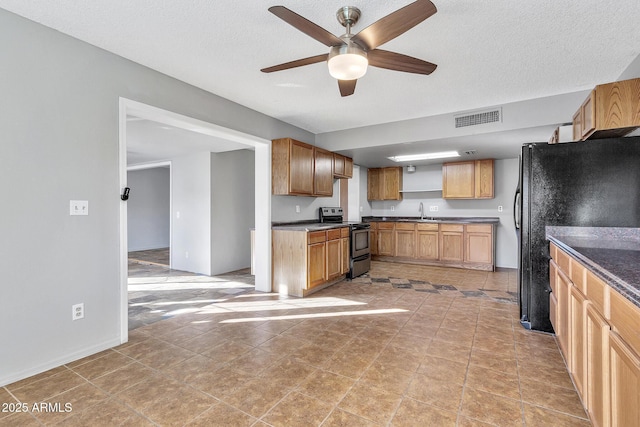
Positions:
{"x": 625, "y": 383}
{"x": 427, "y": 242}
{"x": 307, "y": 261}
{"x": 334, "y": 258}
{"x": 405, "y": 237}
{"x": 451, "y": 244}
{"x": 597, "y": 332}
{"x": 316, "y": 266}
{"x": 597, "y": 369}
{"x": 386, "y": 239}
{"x": 478, "y": 243}
{"x": 577, "y": 362}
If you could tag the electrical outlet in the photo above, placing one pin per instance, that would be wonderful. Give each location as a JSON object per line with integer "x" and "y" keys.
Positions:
{"x": 77, "y": 311}
{"x": 499, "y": 208}
{"x": 186, "y": 254}
{"x": 361, "y": 209}
{"x": 393, "y": 208}
{"x": 433, "y": 209}
{"x": 297, "y": 208}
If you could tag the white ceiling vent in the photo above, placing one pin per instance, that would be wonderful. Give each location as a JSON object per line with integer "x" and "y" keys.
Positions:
{"x": 479, "y": 118}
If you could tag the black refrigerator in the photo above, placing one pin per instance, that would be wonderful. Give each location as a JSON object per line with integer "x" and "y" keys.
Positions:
{"x": 594, "y": 183}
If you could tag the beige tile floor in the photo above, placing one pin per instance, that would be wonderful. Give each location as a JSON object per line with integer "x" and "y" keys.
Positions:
{"x": 364, "y": 353}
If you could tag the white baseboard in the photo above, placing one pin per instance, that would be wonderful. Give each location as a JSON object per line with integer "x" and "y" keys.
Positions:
{"x": 17, "y": 376}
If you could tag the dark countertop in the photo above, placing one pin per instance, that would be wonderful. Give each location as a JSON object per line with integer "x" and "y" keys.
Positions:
{"x": 612, "y": 254}
{"x": 308, "y": 225}
{"x": 431, "y": 219}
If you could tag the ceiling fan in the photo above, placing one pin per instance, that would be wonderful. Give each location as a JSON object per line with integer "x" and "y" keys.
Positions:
{"x": 351, "y": 53}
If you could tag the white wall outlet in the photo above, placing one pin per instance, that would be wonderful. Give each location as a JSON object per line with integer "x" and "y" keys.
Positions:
{"x": 186, "y": 254}
{"x": 77, "y": 311}
{"x": 297, "y": 208}
{"x": 361, "y": 209}
{"x": 433, "y": 208}
{"x": 393, "y": 208}
{"x": 178, "y": 214}
{"x": 79, "y": 207}
{"x": 499, "y": 208}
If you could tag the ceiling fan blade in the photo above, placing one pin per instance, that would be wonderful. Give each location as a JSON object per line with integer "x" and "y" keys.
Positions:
{"x": 296, "y": 63}
{"x": 347, "y": 87}
{"x": 399, "y": 62}
{"x": 394, "y": 24}
{"x": 309, "y": 28}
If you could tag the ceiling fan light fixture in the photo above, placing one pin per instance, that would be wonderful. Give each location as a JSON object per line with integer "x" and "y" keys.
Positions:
{"x": 347, "y": 62}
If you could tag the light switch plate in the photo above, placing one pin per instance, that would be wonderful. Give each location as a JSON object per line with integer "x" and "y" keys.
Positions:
{"x": 79, "y": 207}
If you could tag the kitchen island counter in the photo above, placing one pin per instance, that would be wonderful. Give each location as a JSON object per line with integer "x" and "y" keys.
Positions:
{"x": 612, "y": 254}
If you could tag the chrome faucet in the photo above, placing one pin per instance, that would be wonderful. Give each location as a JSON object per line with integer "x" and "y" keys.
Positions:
{"x": 421, "y": 209}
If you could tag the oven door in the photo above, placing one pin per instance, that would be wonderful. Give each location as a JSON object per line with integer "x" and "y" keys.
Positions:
{"x": 360, "y": 242}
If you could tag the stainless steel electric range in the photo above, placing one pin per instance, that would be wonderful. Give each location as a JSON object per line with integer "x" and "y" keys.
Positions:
{"x": 360, "y": 240}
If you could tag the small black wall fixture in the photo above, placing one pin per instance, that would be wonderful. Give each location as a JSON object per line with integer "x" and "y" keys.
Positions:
{"x": 125, "y": 193}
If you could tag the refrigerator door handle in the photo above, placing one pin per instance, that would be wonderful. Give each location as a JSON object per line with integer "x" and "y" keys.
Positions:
{"x": 516, "y": 211}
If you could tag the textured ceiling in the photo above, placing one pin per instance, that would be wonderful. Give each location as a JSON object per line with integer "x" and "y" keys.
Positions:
{"x": 488, "y": 52}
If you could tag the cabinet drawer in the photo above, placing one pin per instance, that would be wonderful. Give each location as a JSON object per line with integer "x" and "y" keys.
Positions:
{"x": 552, "y": 251}
{"x": 333, "y": 234}
{"x": 316, "y": 237}
{"x": 344, "y": 232}
{"x": 625, "y": 320}
{"x": 596, "y": 292}
{"x": 427, "y": 227}
{"x": 478, "y": 228}
{"x": 562, "y": 259}
{"x": 405, "y": 226}
{"x": 374, "y": 225}
{"x": 452, "y": 227}
{"x": 385, "y": 226}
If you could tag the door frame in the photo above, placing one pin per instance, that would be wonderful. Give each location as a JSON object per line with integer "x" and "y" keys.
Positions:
{"x": 262, "y": 149}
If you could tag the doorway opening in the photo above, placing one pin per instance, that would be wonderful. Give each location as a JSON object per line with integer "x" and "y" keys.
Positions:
{"x": 219, "y": 135}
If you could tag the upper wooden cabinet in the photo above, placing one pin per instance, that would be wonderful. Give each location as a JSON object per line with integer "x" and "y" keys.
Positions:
{"x": 384, "y": 183}
{"x": 323, "y": 172}
{"x": 610, "y": 110}
{"x": 292, "y": 164}
{"x": 471, "y": 179}
{"x": 300, "y": 169}
{"x": 342, "y": 166}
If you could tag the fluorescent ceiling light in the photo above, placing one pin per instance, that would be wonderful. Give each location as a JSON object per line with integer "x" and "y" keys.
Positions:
{"x": 425, "y": 156}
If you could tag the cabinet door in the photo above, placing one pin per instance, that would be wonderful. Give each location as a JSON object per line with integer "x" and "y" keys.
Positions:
{"x": 484, "y": 179}
{"x": 625, "y": 383}
{"x": 617, "y": 105}
{"x": 562, "y": 315}
{"x": 374, "y": 180}
{"x": 300, "y": 168}
{"x": 478, "y": 244}
{"x": 338, "y": 165}
{"x": 323, "y": 173}
{"x": 587, "y": 116}
{"x": 577, "y": 363}
{"x": 577, "y": 125}
{"x": 334, "y": 258}
{"x": 427, "y": 245}
{"x": 392, "y": 183}
{"x": 458, "y": 180}
{"x": 451, "y": 246}
{"x": 386, "y": 246}
{"x": 348, "y": 167}
{"x": 345, "y": 256}
{"x": 316, "y": 264}
{"x": 597, "y": 386}
{"x": 405, "y": 240}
